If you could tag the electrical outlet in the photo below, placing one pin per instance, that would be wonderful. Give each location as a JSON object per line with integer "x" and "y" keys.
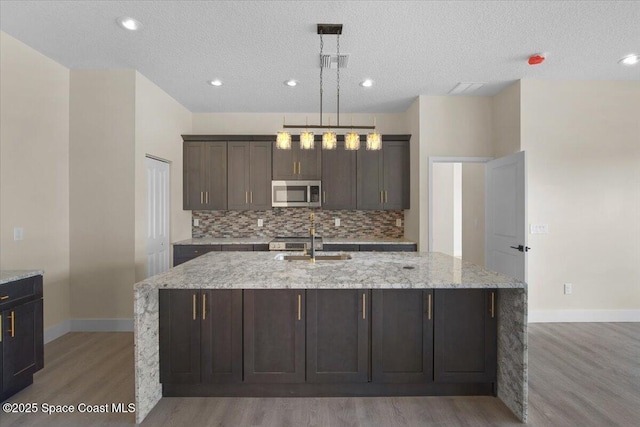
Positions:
{"x": 18, "y": 233}
{"x": 196, "y": 222}
{"x": 398, "y": 222}
{"x": 568, "y": 288}
{"x": 337, "y": 222}
{"x": 260, "y": 222}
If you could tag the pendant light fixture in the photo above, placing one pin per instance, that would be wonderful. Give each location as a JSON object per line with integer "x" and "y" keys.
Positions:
{"x": 374, "y": 139}
{"x": 329, "y": 138}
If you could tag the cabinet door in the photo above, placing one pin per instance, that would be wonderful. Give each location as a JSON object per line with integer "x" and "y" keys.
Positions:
{"x": 22, "y": 345}
{"x": 193, "y": 185}
{"x": 396, "y": 175}
{"x": 179, "y": 336}
{"x": 236, "y": 248}
{"x": 402, "y": 337}
{"x": 465, "y": 335}
{"x": 260, "y": 176}
{"x": 238, "y": 175}
{"x": 285, "y": 164}
{"x": 338, "y": 335}
{"x": 370, "y": 169}
{"x": 339, "y": 176}
{"x": 216, "y": 175}
{"x": 221, "y": 336}
{"x": 309, "y": 163}
{"x": 274, "y": 335}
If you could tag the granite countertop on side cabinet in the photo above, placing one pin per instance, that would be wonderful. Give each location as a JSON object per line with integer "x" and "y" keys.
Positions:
{"x": 367, "y": 241}
{"x": 401, "y": 270}
{"x": 7, "y": 276}
{"x": 225, "y": 241}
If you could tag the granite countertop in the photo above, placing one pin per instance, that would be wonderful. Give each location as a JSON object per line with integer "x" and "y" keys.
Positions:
{"x": 255, "y": 270}
{"x": 7, "y": 276}
{"x": 266, "y": 240}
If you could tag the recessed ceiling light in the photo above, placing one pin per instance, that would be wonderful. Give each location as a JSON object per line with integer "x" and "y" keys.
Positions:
{"x": 632, "y": 59}
{"x": 291, "y": 83}
{"x": 366, "y": 83}
{"x": 129, "y": 23}
{"x": 215, "y": 82}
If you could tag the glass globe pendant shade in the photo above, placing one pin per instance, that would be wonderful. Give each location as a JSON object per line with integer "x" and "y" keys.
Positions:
{"x": 283, "y": 140}
{"x": 374, "y": 141}
{"x": 329, "y": 141}
{"x": 352, "y": 141}
{"x": 306, "y": 140}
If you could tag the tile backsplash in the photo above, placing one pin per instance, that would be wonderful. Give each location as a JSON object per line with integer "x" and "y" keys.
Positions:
{"x": 295, "y": 222}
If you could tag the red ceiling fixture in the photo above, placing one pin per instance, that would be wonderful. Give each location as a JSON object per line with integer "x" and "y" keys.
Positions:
{"x": 536, "y": 59}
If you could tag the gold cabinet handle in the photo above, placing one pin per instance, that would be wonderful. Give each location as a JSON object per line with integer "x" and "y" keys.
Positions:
{"x": 299, "y": 168}
{"x": 12, "y": 316}
{"x": 324, "y": 197}
{"x": 364, "y": 306}
{"x": 299, "y": 306}
{"x": 385, "y": 196}
{"x": 251, "y": 197}
{"x": 194, "y": 306}
{"x": 246, "y": 197}
{"x": 202, "y": 197}
{"x": 381, "y": 199}
{"x": 206, "y": 195}
{"x": 204, "y": 306}
{"x": 4, "y": 297}
{"x": 493, "y": 304}
{"x": 429, "y": 306}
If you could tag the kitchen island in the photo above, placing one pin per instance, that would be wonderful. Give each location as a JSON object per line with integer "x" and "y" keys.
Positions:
{"x": 251, "y": 272}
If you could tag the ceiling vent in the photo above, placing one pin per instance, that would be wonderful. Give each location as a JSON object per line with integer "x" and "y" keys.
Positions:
{"x": 465, "y": 88}
{"x": 332, "y": 61}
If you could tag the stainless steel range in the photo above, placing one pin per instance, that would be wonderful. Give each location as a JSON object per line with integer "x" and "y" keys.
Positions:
{"x": 294, "y": 243}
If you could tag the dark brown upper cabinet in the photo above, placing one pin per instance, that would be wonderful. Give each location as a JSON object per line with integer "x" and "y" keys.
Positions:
{"x": 297, "y": 163}
{"x": 204, "y": 175}
{"x": 465, "y": 345}
{"x": 338, "y": 335}
{"x": 249, "y": 175}
{"x": 339, "y": 176}
{"x": 383, "y": 177}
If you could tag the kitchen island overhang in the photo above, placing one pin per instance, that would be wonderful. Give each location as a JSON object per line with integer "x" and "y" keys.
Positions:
{"x": 259, "y": 270}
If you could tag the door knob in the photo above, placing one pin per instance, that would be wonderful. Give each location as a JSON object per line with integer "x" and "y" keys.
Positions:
{"x": 521, "y": 248}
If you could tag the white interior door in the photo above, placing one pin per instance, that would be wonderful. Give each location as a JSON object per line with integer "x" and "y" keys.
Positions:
{"x": 157, "y": 216}
{"x": 505, "y": 210}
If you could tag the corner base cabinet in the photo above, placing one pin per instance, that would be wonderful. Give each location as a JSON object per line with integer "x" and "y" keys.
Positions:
{"x": 328, "y": 342}
{"x": 21, "y": 336}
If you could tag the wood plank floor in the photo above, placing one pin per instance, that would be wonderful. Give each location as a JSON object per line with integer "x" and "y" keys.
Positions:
{"x": 581, "y": 374}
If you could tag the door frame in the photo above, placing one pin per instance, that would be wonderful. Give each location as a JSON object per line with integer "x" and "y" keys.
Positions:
{"x": 168, "y": 229}
{"x": 433, "y": 160}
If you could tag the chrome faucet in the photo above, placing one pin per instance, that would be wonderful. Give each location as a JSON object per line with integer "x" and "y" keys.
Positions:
{"x": 312, "y": 235}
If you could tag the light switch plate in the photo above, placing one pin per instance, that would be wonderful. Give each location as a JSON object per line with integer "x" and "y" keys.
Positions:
{"x": 18, "y": 233}
{"x": 398, "y": 222}
{"x": 539, "y": 228}
{"x": 568, "y": 288}
{"x": 196, "y": 222}
{"x": 260, "y": 222}
{"x": 337, "y": 222}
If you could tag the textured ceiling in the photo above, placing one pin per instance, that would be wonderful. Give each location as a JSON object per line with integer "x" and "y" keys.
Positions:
{"x": 408, "y": 48}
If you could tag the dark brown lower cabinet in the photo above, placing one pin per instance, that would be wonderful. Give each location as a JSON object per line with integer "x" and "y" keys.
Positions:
{"x": 200, "y": 336}
{"x": 465, "y": 336}
{"x": 338, "y": 335}
{"x": 274, "y": 335}
{"x": 402, "y": 336}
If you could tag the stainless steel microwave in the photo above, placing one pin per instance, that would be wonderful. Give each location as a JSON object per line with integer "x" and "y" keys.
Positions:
{"x": 295, "y": 194}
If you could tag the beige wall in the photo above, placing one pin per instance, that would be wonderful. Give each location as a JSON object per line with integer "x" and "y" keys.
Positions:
{"x": 412, "y": 216}
{"x": 443, "y": 208}
{"x": 473, "y": 212}
{"x": 583, "y": 150}
{"x": 451, "y": 126}
{"x": 506, "y": 121}
{"x": 159, "y": 122}
{"x": 34, "y": 170}
{"x": 102, "y": 133}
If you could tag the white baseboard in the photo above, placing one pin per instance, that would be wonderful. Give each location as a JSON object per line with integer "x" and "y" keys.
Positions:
{"x": 57, "y": 331}
{"x": 87, "y": 325}
{"x": 558, "y": 316}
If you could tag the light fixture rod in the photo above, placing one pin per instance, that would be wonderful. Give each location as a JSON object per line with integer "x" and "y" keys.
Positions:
{"x": 326, "y": 127}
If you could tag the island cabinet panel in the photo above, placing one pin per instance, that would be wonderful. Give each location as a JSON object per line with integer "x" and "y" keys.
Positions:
{"x": 200, "y": 336}
{"x": 338, "y": 335}
{"x": 466, "y": 335}
{"x": 402, "y": 336}
{"x": 274, "y": 335}
{"x": 339, "y": 178}
{"x": 204, "y": 175}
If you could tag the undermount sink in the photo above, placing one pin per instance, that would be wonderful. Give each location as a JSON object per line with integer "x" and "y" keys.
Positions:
{"x": 338, "y": 257}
